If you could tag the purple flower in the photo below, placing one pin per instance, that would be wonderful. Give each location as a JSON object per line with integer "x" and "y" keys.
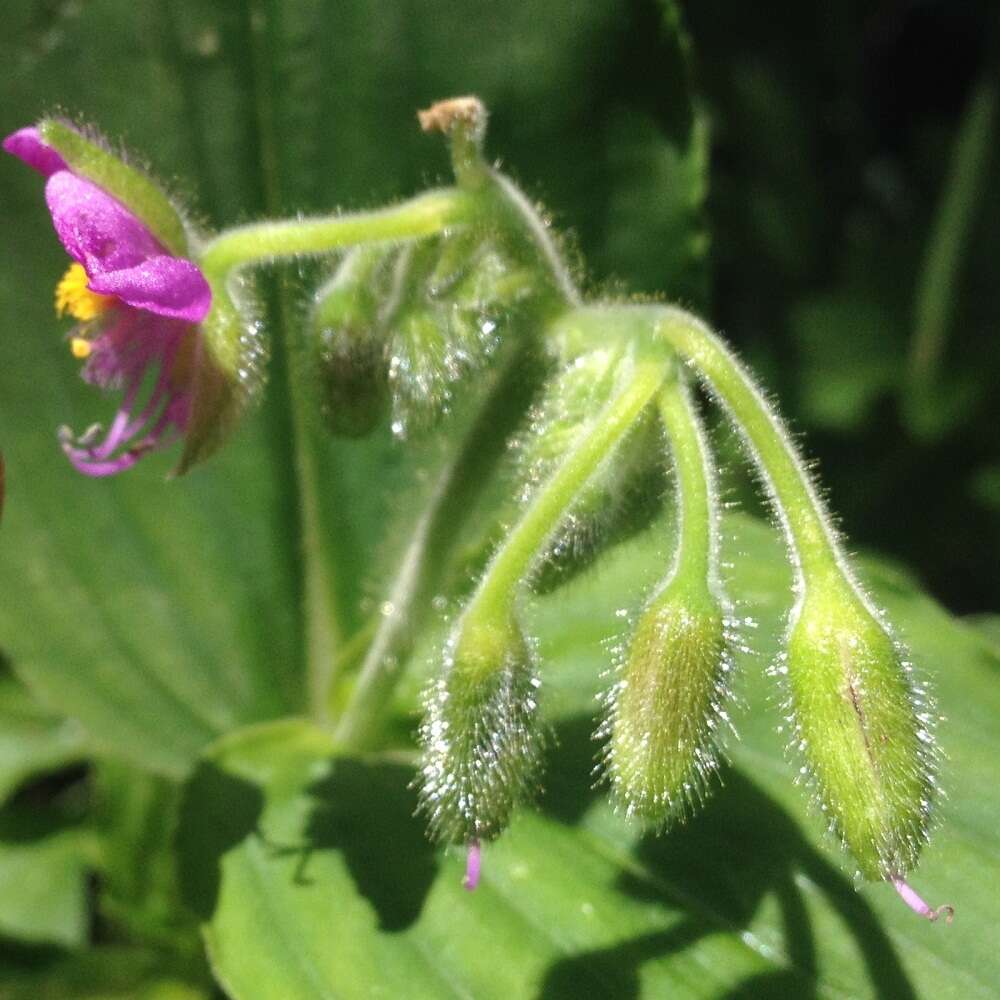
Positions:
{"x": 138, "y": 308}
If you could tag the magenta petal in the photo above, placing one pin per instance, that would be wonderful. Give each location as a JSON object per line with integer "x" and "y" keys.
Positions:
{"x": 26, "y": 144}
{"x": 168, "y": 286}
{"x": 96, "y": 229}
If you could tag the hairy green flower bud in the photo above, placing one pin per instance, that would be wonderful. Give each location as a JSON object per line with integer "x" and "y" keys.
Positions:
{"x": 349, "y": 343}
{"x": 452, "y": 300}
{"x": 861, "y": 727}
{"x": 401, "y": 326}
{"x": 481, "y": 737}
{"x": 666, "y": 706}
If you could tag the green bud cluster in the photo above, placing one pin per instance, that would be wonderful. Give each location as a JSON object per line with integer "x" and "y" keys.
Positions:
{"x": 348, "y": 343}
{"x": 396, "y": 327}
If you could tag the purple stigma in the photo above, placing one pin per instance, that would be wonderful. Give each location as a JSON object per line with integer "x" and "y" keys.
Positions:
{"x": 915, "y": 903}
{"x": 472, "y": 866}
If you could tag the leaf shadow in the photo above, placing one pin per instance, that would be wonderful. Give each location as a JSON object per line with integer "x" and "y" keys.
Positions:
{"x": 218, "y": 812}
{"x": 361, "y": 809}
{"x": 365, "y": 810}
{"x": 717, "y": 870}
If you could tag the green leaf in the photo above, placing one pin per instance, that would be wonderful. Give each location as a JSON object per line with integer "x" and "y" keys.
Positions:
{"x": 43, "y": 867}
{"x": 135, "y": 816}
{"x": 32, "y": 740}
{"x": 314, "y": 880}
{"x": 106, "y": 973}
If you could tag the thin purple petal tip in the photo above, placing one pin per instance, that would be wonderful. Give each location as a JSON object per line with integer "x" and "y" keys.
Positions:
{"x": 26, "y": 144}
{"x": 909, "y": 896}
{"x": 473, "y": 860}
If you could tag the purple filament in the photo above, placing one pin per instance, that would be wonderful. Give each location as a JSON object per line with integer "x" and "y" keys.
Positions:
{"x": 473, "y": 861}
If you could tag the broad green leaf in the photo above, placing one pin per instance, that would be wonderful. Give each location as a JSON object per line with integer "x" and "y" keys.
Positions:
{"x": 43, "y": 877}
{"x": 135, "y": 815}
{"x": 106, "y": 973}
{"x": 32, "y": 740}
{"x": 313, "y": 879}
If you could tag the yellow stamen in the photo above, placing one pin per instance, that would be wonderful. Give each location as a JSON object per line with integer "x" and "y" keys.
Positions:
{"x": 80, "y": 347}
{"x": 74, "y": 297}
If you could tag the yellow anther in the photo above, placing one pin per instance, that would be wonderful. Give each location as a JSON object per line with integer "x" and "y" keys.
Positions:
{"x": 74, "y": 297}
{"x": 80, "y": 347}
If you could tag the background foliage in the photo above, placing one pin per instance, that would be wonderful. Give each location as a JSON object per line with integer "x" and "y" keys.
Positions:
{"x": 817, "y": 180}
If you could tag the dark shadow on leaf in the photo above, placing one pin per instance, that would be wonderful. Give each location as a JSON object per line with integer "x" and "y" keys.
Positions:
{"x": 613, "y": 973}
{"x": 569, "y": 770}
{"x": 361, "y": 809}
{"x": 218, "y": 812}
{"x": 365, "y": 811}
{"x": 717, "y": 869}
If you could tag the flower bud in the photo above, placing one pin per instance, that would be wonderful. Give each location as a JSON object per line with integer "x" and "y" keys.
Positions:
{"x": 422, "y": 369}
{"x": 481, "y": 737}
{"x": 453, "y": 298}
{"x": 666, "y": 706}
{"x": 859, "y": 724}
{"x": 349, "y": 343}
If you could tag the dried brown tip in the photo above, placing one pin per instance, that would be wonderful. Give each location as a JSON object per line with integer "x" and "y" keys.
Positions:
{"x": 443, "y": 115}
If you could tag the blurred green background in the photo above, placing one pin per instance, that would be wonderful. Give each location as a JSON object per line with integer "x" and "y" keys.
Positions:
{"x": 817, "y": 180}
{"x": 840, "y": 226}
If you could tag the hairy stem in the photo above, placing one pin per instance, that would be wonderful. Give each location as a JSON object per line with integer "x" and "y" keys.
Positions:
{"x": 695, "y": 560}
{"x": 431, "y": 541}
{"x": 815, "y": 549}
{"x": 493, "y": 599}
{"x": 425, "y": 215}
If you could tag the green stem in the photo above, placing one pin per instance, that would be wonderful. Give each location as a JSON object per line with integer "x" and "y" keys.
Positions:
{"x": 431, "y": 540}
{"x": 503, "y": 202}
{"x": 695, "y": 559}
{"x": 950, "y": 234}
{"x": 322, "y": 617}
{"x": 493, "y": 599}
{"x": 531, "y": 237}
{"x": 426, "y": 215}
{"x": 382, "y": 666}
{"x": 814, "y": 547}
